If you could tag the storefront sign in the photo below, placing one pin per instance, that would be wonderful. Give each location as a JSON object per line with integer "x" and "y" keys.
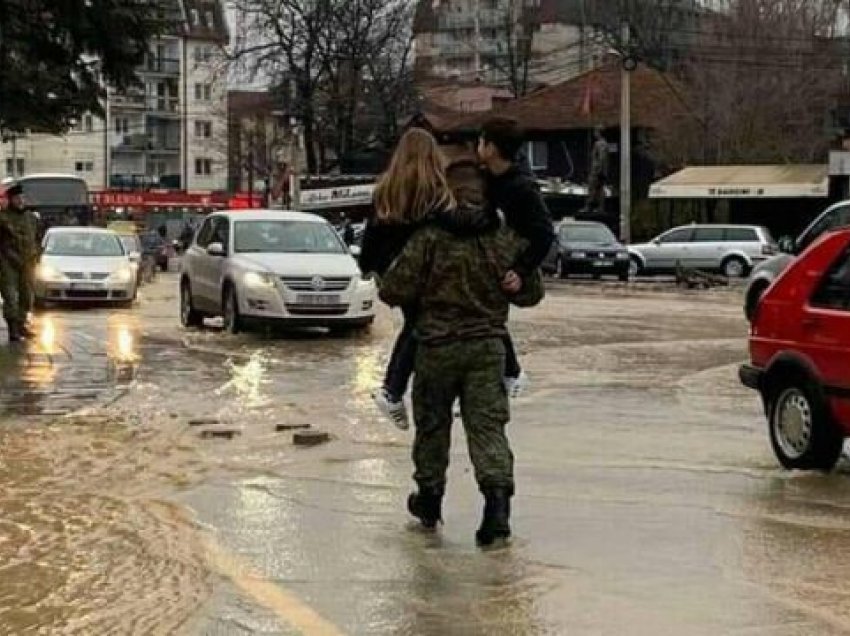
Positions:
{"x": 342, "y": 196}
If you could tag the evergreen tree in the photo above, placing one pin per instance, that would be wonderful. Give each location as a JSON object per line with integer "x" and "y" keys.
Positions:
{"x": 58, "y": 56}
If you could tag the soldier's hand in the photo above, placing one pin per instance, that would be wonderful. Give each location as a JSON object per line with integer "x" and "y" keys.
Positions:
{"x": 511, "y": 283}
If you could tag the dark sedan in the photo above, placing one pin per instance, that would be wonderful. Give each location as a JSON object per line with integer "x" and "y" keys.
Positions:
{"x": 587, "y": 248}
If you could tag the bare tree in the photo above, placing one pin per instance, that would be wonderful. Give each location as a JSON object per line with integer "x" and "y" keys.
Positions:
{"x": 324, "y": 49}
{"x": 760, "y": 80}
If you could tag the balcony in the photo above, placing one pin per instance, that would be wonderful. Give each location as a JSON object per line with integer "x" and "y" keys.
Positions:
{"x": 155, "y": 144}
{"x": 128, "y": 101}
{"x": 132, "y": 144}
{"x": 164, "y": 106}
{"x": 161, "y": 66}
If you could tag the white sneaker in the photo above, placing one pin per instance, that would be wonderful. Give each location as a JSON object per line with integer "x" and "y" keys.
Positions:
{"x": 516, "y": 386}
{"x": 395, "y": 411}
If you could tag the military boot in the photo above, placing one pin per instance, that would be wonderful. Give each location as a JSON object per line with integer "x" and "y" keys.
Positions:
{"x": 15, "y": 334}
{"x": 495, "y": 526}
{"x": 427, "y": 507}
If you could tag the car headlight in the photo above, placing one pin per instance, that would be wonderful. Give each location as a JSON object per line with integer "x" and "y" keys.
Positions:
{"x": 622, "y": 256}
{"x": 123, "y": 274}
{"x": 578, "y": 255}
{"x": 48, "y": 273}
{"x": 258, "y": 280}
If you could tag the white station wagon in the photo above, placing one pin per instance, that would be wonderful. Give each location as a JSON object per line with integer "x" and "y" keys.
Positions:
{"x": 271, "y": 266}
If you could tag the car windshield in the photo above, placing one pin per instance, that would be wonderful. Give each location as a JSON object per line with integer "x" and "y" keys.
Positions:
{"x": 130, "y": 243}
{"x": 83, "y": 244}
{"x": 586, "y": 234}
{"x": 302, "y": 237}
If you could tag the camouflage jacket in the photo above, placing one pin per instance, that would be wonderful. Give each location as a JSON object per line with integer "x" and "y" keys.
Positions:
{"x": 18, "y": 238}
{"x": 452, "y": 280}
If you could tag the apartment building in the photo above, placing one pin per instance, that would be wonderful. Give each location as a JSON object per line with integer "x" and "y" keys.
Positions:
{"x": 169, "y": 133}
{"x": 479, "y": 40}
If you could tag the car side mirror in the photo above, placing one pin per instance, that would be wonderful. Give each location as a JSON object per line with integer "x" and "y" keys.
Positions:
{"x": 216, "y": 249}
{"x": 786, "y": 245}
{"x": 354, "y": 250}
{"x": 135, "y": 257}
{"x": 656, "y": 241}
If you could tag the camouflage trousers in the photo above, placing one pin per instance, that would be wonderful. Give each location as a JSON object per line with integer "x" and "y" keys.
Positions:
{"x": 16, "y": 289}
{"x": 473, "y": 371}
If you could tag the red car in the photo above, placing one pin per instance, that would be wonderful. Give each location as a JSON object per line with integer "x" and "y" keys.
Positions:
{"x": 800, "y": 356}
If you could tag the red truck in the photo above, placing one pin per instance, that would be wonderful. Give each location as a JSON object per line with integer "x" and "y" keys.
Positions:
{"x": 800, "y": 356}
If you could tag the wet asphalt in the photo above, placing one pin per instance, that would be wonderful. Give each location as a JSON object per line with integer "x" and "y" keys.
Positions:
{"x": 648, "y": 499}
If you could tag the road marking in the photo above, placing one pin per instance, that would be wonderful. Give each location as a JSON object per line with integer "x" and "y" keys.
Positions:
{"x": 286, "y": 605}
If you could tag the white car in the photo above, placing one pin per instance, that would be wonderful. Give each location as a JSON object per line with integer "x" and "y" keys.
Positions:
{"x": 263, "y": 266}
{"x": 84, "y": 264}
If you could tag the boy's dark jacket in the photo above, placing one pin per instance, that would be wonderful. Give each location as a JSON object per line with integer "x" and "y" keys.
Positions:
{"x": 516, "y": 194}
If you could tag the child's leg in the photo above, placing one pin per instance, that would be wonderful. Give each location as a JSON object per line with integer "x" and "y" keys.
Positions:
{"x": 402, "y": 360}
{"x": 512, "y": 368}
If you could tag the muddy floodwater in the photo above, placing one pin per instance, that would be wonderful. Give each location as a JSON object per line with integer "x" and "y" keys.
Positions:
{"x": 145, "y": 486}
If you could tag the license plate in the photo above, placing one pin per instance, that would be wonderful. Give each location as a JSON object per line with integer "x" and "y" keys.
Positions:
{"x": 86, "y": 286}
{"x": 603, "y": 264}
{"x": 317, "y": 299}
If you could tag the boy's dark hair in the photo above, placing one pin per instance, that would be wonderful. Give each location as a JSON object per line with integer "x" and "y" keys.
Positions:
{"x": 505, "y": 134}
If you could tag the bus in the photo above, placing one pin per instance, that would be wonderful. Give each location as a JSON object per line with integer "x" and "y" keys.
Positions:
{"x": 58, "y": 199}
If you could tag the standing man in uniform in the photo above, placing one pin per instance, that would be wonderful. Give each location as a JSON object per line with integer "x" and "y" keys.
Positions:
{"x": 453, "y": 275}
{"x": 18, "y": 260}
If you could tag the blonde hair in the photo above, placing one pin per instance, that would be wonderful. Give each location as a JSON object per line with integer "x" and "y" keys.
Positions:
{"x": 415, "y": 182}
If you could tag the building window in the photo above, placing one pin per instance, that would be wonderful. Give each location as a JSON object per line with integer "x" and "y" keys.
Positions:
{"x": 122, "y": 125}
{"x": 88, "y": 122}
{"x": 84, "y": 166}
{"x": 210, "y": 20}
{"x": 203, "y": 129}
{"x": 196, "y": 17}
{"x": 203, "y": 167}
{"x": 538, "y": 154}
{"x": 203, "y": 92}
{"x": 12, "y": 163}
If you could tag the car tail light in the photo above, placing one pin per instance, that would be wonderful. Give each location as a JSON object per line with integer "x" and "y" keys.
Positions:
{"x": 769, "y": 250}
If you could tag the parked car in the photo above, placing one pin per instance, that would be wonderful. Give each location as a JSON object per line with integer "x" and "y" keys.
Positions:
{"x": 159, "y": 248}
{"x": 731, "y": 249}
{"x": 84, "y": 264}
{"x": 268, "y": 266}
{"x": 587, "y": 247}
{"x": 800, "y": 356}
{"x": 141, "y": 264}
{"x": 764, "y": 274}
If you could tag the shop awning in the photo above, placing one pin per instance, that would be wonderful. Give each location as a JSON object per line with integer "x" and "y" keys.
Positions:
{"x": 745, "y": 182}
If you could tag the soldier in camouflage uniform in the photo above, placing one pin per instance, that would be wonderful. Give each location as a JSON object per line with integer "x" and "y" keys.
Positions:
{"x": 453, "y": 275}
{"x": 18, "y": 259}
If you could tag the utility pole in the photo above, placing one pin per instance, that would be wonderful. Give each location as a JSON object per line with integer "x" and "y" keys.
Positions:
{"x": 626, "y": 139}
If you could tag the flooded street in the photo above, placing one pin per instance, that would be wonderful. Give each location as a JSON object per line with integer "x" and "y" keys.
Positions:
{"x": 149, "y": 484}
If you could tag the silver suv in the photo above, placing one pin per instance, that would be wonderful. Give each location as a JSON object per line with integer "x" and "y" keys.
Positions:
{"x": 268, "y": 266}
{"x": 834, "y": 217}
{"x": 733, "y": 250}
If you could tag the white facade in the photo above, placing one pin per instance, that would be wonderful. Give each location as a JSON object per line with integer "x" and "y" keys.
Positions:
{"x": 170, "y": 133}
{"x": 466, "y": 40}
